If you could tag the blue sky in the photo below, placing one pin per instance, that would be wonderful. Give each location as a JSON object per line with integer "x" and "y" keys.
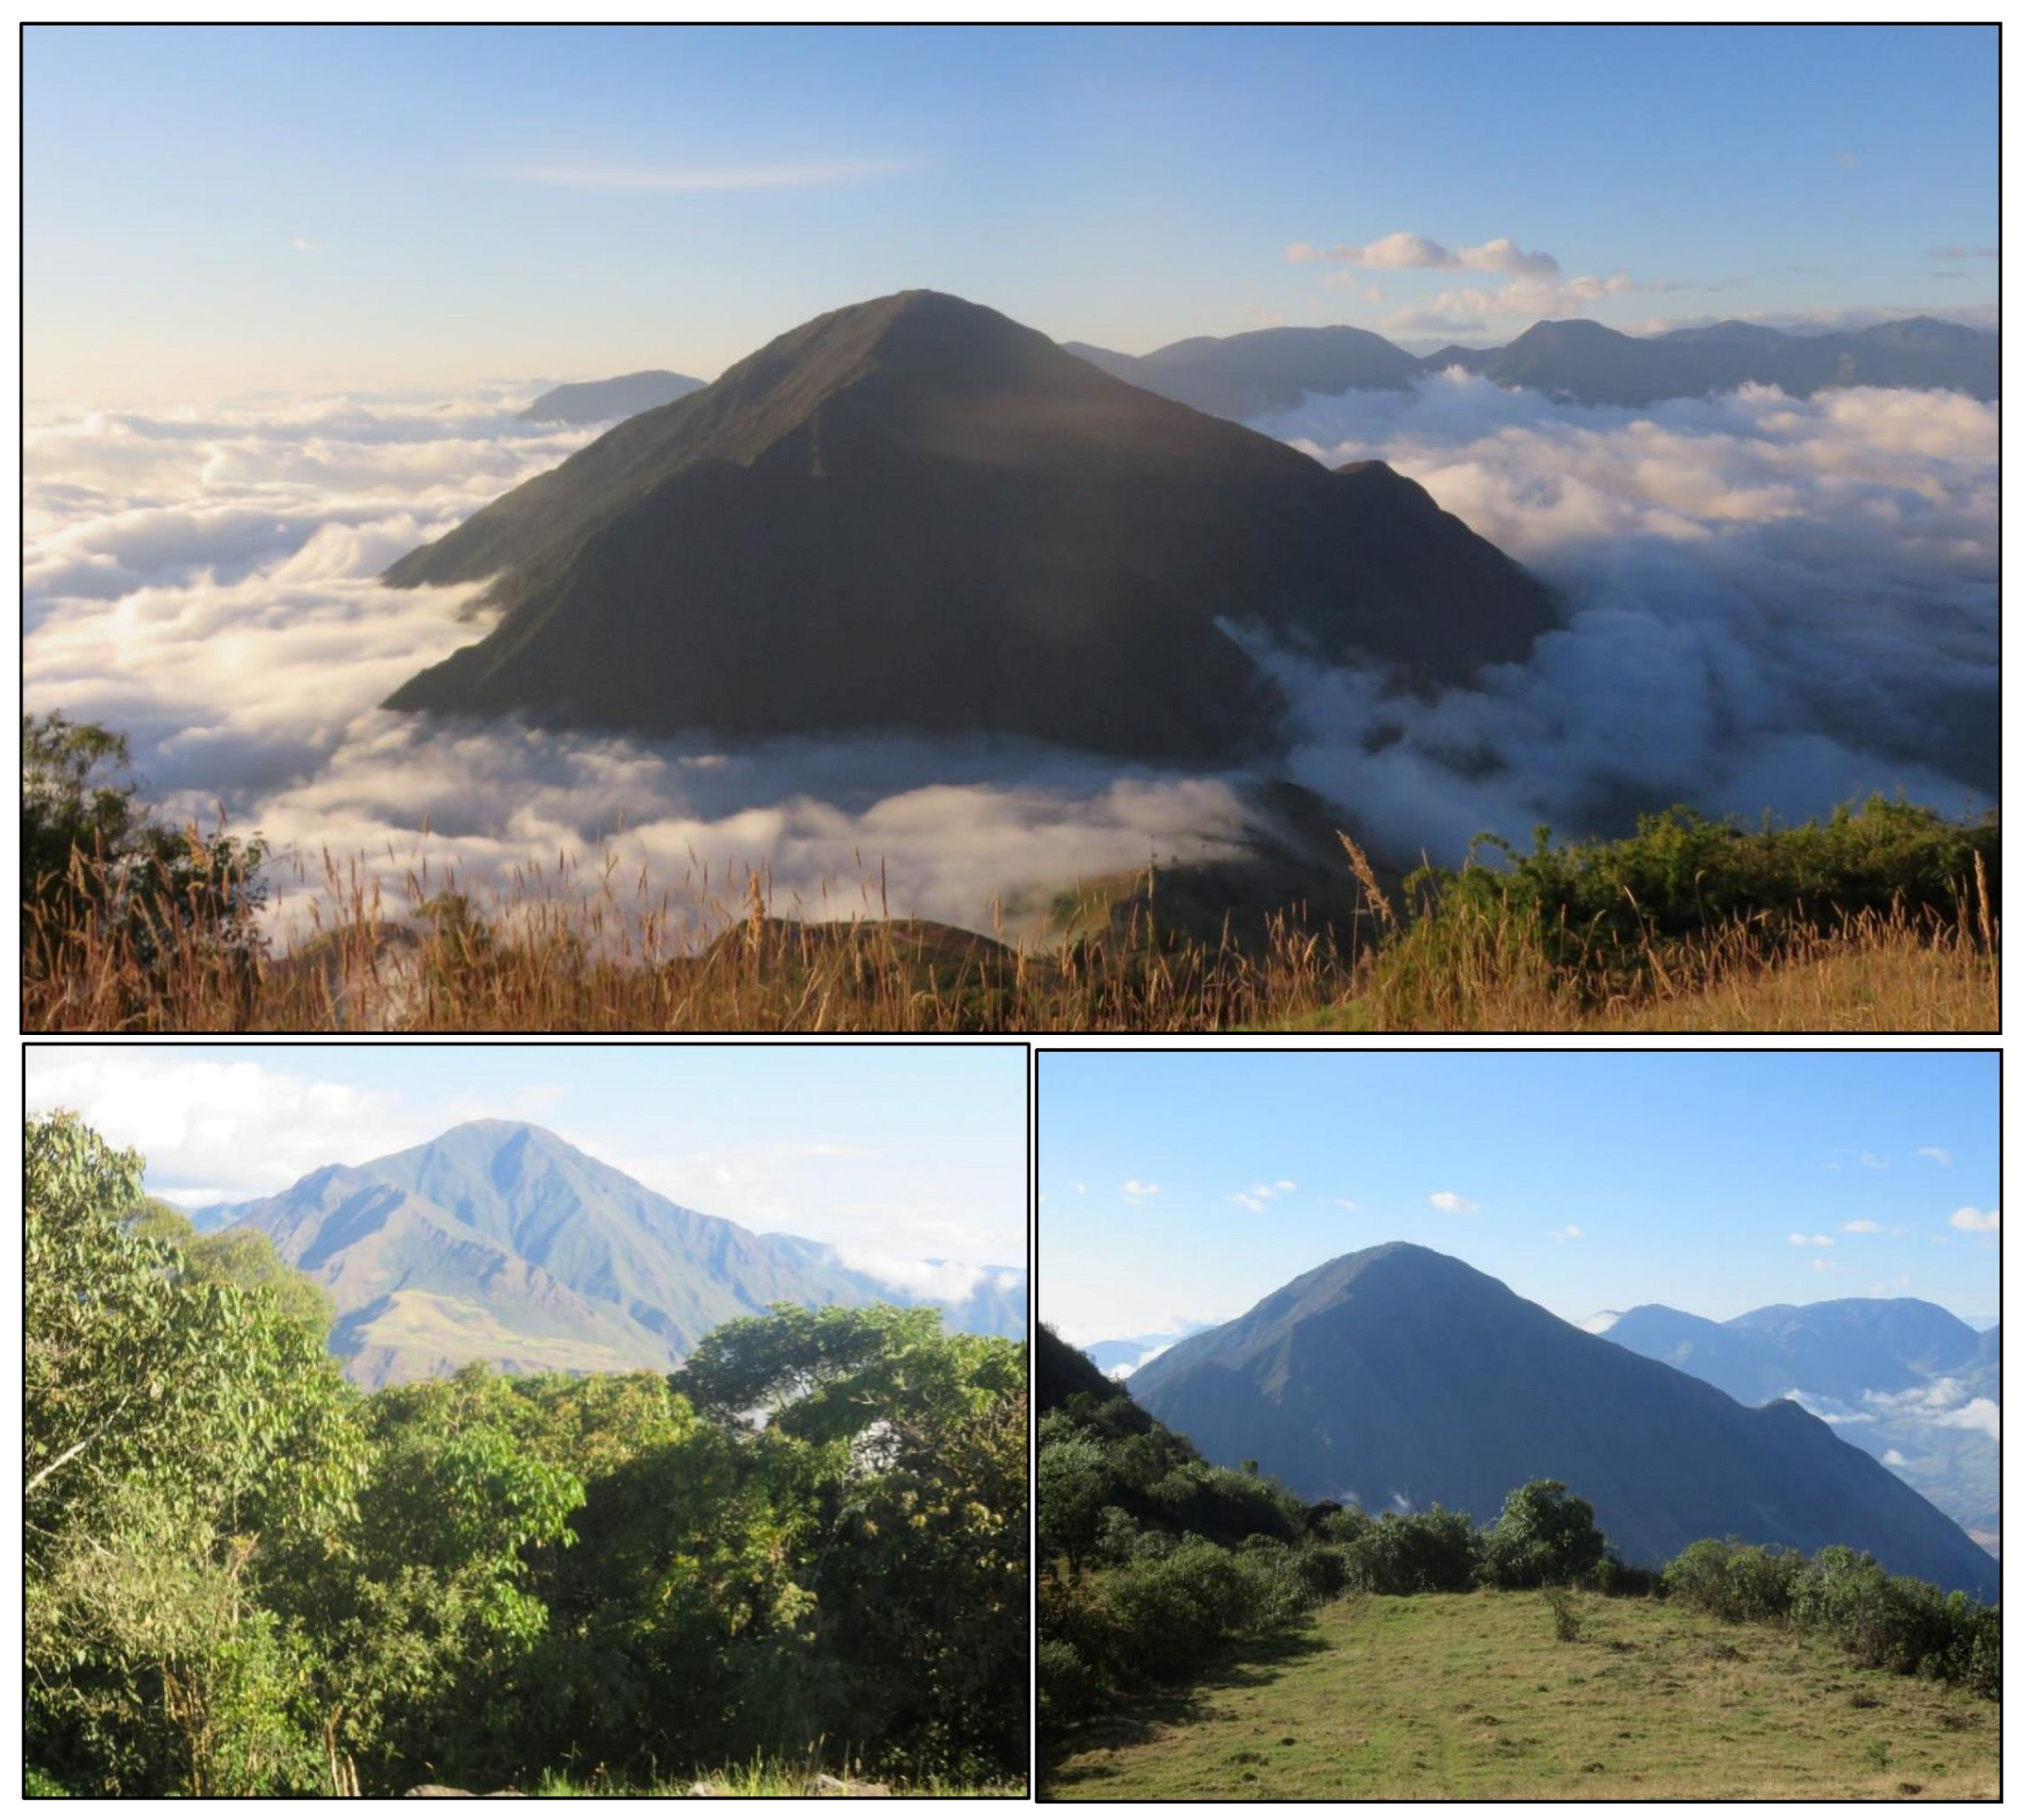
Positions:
{"x": 1191, "y": 1185}
{"x": 895, "y": 1153}
{"x": 212, "y": 212}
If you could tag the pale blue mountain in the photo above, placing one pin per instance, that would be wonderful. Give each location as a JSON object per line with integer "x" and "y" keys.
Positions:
{"x": 499, "y": 1242}
{"x": 1914, "y": 1387}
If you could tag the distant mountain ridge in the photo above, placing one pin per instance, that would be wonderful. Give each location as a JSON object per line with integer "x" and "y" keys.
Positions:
{"x": 1398, "y": 1375}
{"x": 499, "y": 1241}
{"x": 598, "y": 401}
{"x": 1899, "y": 1377}
{"x": 1577, "y": 361}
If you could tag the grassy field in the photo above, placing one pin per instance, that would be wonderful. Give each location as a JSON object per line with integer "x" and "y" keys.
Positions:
{"x": 1471, "y": 1696}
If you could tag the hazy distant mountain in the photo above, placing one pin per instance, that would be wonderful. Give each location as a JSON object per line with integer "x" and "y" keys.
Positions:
{"x": 916, "y": 513}
{"x": 1578, "y": 361}
{"x": 1586, "y": 363}
{"x": 598, "y": 401}
{"x": 1115, "y": 1358}
{"x": 1262, "y": 370}
{"x": 500, "y": 1241}
{"x": 1899, "y": 1377}
{"x": 1398, "y": 1376}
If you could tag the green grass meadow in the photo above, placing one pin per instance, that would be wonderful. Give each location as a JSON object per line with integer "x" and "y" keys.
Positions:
{"x": 1471, "y": 1696}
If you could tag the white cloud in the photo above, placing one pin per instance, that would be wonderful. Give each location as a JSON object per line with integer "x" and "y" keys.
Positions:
{"x": 204, "y": 581}
{"x": 235, "y": 1130}
{"x": 1568, "y": 1232}
{"x": 1350, "y": 1207}
{"x": 1893, "y": 1456}
{"x": 937, "y": 1280}
{"x": 1941, "y": 1156}
{"x": 1080, "y": 1188}
{"x": 1809, "y": 1238}
{"x": 1827, "y": 1408}
{"x": 1942, "y": 1403}
{"x": 1402, "y": 252}
{"x": 1970, "y": 1219}
{"x": 1138, "y": 1191}
{"x": 1770, "y": 604}
{"x": 1822, "y": 1264}
{"x": 1860, "y": 1226}
{"x": 1260, "y": 1193}
{"x": 816, "y": 174}
{"x": 302, "y": 245}
{"x": 1444, "y": 1202}
{"x": 1536, "y": 297}
{"x": 1868, "y": 1161}
{"x": 1962, "y": 252}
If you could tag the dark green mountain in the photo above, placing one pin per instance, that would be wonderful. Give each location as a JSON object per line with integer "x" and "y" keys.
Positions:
{"x": 915, "y": 513}
{"x": 1578, "y": 361}
{"x": 1399, "y": 1376}
{"x": 601, "y": 401}
{"x": 499, "y": 1242}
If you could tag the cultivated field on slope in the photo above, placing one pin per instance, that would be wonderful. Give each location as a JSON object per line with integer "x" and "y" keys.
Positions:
{"x": 1472, "y": 1696}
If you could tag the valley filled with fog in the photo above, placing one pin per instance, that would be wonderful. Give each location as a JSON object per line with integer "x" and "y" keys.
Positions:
{"x": 1770, "y": 604}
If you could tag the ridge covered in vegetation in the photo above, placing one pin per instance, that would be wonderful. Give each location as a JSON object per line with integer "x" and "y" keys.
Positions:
{"x": 1884, "y": 917}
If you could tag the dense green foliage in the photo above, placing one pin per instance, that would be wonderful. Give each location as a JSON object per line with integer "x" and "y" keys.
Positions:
{"x": 244, "y": 1576}
{"x": 1880, "y": 1620}
{"x": 1611, "y": 912}
{"x": 94, "y": 857}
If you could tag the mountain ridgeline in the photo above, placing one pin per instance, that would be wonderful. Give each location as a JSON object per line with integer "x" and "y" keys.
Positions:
{"x": 1579, "y": 362}
{"x": 1399, "y": 1377}
{"x": 1903, "y": 1379}
{"x": 500, "y": 1241}
{"x": 915, "y": 513}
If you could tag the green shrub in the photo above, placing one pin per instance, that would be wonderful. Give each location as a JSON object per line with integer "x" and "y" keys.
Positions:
{"x": 1544, "y": 1537}
{"x": 1065, "y": 1685}
{"x": 1604, "y": 909}
{"x": 1737, "y": 1582}
{"x": 1431, "y": 1551}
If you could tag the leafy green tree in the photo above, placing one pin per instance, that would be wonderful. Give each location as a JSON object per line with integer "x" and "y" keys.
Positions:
{"x": 178, "y": 1435}
{"x": 94, "y": 856}
{"x": 1545, "y": 1536}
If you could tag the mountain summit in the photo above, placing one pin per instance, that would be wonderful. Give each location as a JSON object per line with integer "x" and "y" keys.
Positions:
{"x": 915, "y": 513}
{"x": 1401, "y": 1376}
{"x": 500, "y": 1241}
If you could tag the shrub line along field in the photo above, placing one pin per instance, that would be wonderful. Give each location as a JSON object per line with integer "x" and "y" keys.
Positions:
{"x": 1471, "y": 1695}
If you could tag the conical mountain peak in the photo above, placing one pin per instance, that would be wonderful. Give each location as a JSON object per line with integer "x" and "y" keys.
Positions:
{"x": 915, "y": 513}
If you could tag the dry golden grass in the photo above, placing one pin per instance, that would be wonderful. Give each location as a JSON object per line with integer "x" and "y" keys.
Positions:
{"x": 559, "y": 953}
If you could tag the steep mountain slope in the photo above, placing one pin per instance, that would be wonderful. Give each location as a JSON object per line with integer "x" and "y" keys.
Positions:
{"x": 1899, "y": 1377}
{"x": 499, "y": 1240}
{"x": 601, "y": 401}
{"x": 1400, "y": 1375}
{"x": 916, "y": 513}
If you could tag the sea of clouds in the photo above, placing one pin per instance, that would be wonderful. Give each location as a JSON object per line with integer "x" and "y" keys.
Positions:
{"x": 1771, "y": 604}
